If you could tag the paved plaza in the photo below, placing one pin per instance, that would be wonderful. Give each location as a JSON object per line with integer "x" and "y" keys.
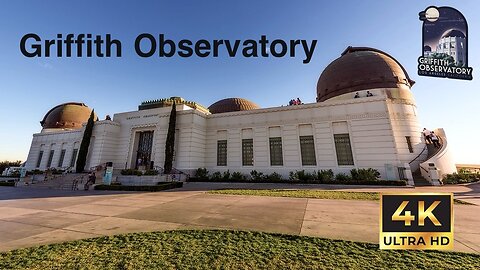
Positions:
{"x": 32, "y": 216}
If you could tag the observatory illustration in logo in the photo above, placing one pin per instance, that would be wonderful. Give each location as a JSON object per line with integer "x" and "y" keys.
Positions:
{"x": 445, "y": 44}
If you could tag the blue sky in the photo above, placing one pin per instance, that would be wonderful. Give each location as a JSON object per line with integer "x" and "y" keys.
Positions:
{"x": 29, "y": 87}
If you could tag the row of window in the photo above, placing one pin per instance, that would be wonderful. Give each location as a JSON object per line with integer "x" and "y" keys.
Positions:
{"x": 60, "y": 161}
{"x": 307, "y": 151}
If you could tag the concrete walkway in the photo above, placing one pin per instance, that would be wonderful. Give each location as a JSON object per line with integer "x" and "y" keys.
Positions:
{"x": 30, "y": 217}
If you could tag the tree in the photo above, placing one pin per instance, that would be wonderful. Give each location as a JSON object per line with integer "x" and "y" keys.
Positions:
{"x": 170, "y": 143}
{"x": 83, "y": 151}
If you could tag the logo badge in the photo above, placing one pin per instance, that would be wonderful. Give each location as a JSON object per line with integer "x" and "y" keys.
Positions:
{"x": 445, "y": 44}
{"x": 416, "y": 221}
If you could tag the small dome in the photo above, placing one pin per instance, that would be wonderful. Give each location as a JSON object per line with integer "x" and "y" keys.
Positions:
{"x": 453, "y": 33}
{"x": 70, "y": 115}
{"x": 360, "y": 68}
{"x": 427, "y": 48}
{"x": 232, "y": 105}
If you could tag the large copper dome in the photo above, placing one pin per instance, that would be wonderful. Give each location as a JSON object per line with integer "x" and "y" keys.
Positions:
{"x": 70, "y": 115}
{"x": 361, "y": 68}
{"x": 232, "y": 105}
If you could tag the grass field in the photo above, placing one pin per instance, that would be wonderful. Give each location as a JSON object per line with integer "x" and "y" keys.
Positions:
{"x": 308, "y": 193}
{"x": 226, "y": 250}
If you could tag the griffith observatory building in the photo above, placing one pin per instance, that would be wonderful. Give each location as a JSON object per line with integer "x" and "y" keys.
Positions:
{"x": 341, "y": 131}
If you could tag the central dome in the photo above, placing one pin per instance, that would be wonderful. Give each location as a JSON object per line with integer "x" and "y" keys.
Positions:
{"x": 360, "y": 68}
{"x": 70, "y": 115}
{"x": 232, "y": 105}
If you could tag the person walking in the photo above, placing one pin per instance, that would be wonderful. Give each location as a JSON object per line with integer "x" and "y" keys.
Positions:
{"x": 435, "y": 140}
{"x": 91, "y": 180}
{"x": 426, "y": 134}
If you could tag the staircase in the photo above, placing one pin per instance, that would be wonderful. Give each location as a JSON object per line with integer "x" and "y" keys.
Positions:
{"x": 418, "y": 179}
{"x": 63, "y": 182}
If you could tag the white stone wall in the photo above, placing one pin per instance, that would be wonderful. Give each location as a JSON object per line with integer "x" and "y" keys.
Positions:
{"x": 366, "y": 120}
{"x": 404, "y": 123}
{"x": 104, "y": 144}
{"x": 56, "y": 141}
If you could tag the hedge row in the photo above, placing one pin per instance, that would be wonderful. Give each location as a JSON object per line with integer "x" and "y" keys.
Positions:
{"x": 138, "y": 172}
{"x": 461, "y": 178}
{"x": 159, "y": 187}
{"x": 355, "y": 177}
{"x": 7, "y": 184}
{"x": 331, "y": 182}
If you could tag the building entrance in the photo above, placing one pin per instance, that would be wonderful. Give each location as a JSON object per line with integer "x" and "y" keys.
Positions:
{"x": 144, "y": 150}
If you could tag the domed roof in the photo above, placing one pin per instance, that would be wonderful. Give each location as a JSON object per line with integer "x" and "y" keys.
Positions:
{"x": 453, "y": 33}
{"x": 360, "y": 68}
{"x": 70, "y": 115}
{"x": 232, "y": 105}
{"x": 427, "y": 48}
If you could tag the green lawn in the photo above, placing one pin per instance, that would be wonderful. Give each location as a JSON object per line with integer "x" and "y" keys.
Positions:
{"x": 302, "y": 193}
{"x": 308, "y": 193}
{"x": 226, "y": 250}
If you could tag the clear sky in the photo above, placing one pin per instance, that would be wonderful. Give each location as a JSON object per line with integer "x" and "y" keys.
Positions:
{"x": 29, "y": 87}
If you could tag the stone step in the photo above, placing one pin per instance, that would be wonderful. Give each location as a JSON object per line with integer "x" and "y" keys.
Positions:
{"x": 419, "y": 180}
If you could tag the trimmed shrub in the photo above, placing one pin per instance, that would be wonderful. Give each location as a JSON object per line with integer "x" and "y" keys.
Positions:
{"x": 161, "y": 186}
{"x": 226, "y": 175}
{"x": 364, "y": 174}
{"x": 15, "y": 174}
{"x": 7, "y": 184}
{"x": 274, "y": 177}
{"x": 35, "y": 172}
{"x": 150, "y": 172}
{"x": 365, "y": 182}
{"x": 460, "y": 178}
{"x": 131, "y": 172}
{"x": 343, "y": 177}
{"x": 301, "y": 176}
{"x": 325, "y": 175}
{"x": 216, "y": 177}
{"x": 201, "y": 174}
{"x": 56, "y": 171}
{"x": 257, "y": 176}
{"x": 238, "y": 176}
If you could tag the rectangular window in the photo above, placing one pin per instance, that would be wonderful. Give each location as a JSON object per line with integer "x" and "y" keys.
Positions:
{"x": 62, "y": 157}
{"x": 307, "y": 149}
{"x": 276, "y": 155}
{"x": 50, "y": 158}
{"x": 343, "y": 149}
{"x": 247, "y": 152}
{"x": 222, "y": 153}
{"x": 74, "y": 157}
{"x": 409, "y": 144}
{"x": 39, "y": 160}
